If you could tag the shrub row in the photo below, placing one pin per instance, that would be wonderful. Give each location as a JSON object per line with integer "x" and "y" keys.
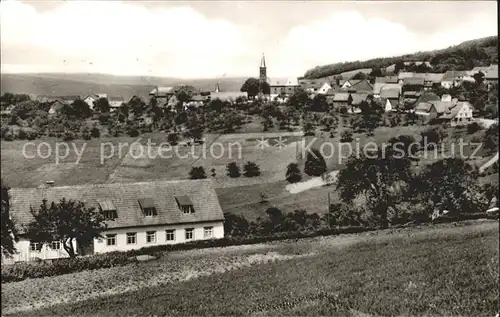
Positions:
{"x": 21, "y": 271}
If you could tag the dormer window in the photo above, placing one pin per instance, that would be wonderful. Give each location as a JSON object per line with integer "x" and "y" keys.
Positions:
{"x": 185, "y": 204}
{"x": 108, "y": 209}
{"x": 147, "y": 207}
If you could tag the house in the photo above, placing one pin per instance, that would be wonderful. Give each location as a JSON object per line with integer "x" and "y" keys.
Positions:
{"x": 162, "y": 92}
{"x": 446, "y": 97}
{"x": 115, "y": 102}
{"x": 402, "y": 76}
{"x": 387, "y": 80}
{"x": 90, "y": 99}
{"x": 139, "y": 214}
{"x": 361, "y": 86}
{"x": 315, "y": 86}
{"x": 426, "y": 109}
{"x": 283, "y": 86}
{"x": 57, "y": 105}
{"x": 230, "y": 96}
{"x": 377, "y": 87}
{"x": 356, "y": 100}
{"x": 452, "y": 78}
{"x": 349, "y": 83}
{"x": 431, "y": 80}
{"x": 390, "y": 98}
{"x": 324, "y": 88}
{"x": 458, "y": 114}
{"x": 491, "y": 76}
{"x": 413, "y": 84}
{"x": 341, "y": 99}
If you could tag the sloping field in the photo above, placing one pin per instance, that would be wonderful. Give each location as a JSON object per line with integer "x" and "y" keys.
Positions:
{"x": 448, "y": 269}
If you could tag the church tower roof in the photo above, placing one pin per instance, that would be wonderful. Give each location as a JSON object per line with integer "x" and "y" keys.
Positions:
{"x": 263, "y": 61}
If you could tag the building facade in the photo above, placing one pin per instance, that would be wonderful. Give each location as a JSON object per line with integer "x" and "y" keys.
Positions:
{"x": 137, "y": 215}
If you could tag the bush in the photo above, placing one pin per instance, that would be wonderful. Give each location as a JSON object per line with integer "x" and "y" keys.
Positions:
{"x": 197, "y": 172}
{"x": 233, "y": 170}
{"x": 293, "y": 174}
{"x": 315, "y": 163}
{"x": 95, "y": 133}
{"x": 133, "y": 132}
{"x": 21, "y": 134}
{"x": 473, "y": 127}
{"x": 346, "y": 136}
{"x": 250, "y": 169}
{"x": 68, "y": 136}
{"x": 173, "y": 138}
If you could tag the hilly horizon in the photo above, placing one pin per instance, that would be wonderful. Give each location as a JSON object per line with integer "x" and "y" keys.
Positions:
{"x": 485, "y": 51}
{"x": 82, "y": 84}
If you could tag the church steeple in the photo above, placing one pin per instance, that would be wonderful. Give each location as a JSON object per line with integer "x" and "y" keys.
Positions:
{"x": 263, "y": 70}
{"x": 217, "y": 88}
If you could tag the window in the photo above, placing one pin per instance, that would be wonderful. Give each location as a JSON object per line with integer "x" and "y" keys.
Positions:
{"x": 147, "y": 207}
{"x": 108, "y": 209}
{"x": 35, "y": 246}
{"x": 170, "y": 235}
{"x": 190, "y": 234}
{"x": 131, "y": 237}
{"x": 55, "y": 245}
{"x": 185, "y": 204}
{"x": 110, "y": 239}
{"x": 151, "y": 236}
{"x": 149, "y": 212}
{"x": 208, "y": 232}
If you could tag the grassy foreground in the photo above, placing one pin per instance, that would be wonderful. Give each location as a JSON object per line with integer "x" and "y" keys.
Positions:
{"x": 449, "y": 270}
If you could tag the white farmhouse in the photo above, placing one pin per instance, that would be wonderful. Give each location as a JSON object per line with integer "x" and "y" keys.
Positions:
{"x": 139, "y": 215}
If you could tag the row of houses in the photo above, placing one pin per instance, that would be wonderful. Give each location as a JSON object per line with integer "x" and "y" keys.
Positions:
{"x": 137, "y": 215}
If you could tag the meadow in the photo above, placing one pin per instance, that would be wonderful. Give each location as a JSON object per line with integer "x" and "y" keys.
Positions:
{"x": 438, "y": 270}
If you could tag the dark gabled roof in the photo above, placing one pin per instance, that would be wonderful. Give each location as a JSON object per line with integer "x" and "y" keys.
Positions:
{"x": 390, "y": 93}
{"x": 414, "y": 81}
{"x": 453, "y": 74}
{"x": 428, "y": 97}
{"x": 162, "y": 91}
{"x": 357, "y": 98}
{"x": 106, "y": 204}
{"x": 341, "y": 96}
{"x": 183, "y": 200}
{"x": 362, "y": 86}
{"x": 146, "y": 203}
{"x": 125, "y": 196}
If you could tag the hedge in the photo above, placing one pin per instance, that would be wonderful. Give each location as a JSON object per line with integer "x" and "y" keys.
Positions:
{"x": 21, "y": 271}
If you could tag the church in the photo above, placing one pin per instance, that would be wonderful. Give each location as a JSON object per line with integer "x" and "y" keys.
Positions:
{"x": 279, "y": 86}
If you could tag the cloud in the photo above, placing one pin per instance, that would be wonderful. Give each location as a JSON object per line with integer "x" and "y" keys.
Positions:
{"x": 122, "y": 38}
{"x": 178, "y": 41}
{"x": 349, "y": 36}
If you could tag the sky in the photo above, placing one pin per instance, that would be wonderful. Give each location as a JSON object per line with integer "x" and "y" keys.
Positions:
{"x": 203, "y": 39}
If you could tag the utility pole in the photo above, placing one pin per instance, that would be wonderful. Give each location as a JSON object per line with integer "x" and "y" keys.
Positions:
{"x": 329, "y": 211}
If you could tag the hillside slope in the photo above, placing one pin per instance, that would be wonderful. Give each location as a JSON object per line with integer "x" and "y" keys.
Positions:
{"x": 478, "y": 52}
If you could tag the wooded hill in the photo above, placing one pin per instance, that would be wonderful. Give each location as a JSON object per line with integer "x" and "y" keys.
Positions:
{"x": 467, "y": 55}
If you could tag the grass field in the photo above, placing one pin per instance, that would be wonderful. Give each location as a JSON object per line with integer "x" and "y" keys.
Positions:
{"x": 439, "y": 270}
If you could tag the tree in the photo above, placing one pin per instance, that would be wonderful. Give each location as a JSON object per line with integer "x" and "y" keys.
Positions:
{"x": 299, "y": 100}
{"x": 102, "y": 105}
{"x": 173, "y": 138}
{"x": 491, "y": 138}
{"x": 95, "y": 133}
{"x": 380, "y": 179}
{"x": 448, "y": 184}
{"x": 233, "y": 170}
{"x": 77, "y": 109}
{"x": 197, "y": 172}
{"x": 235, "y": 225}
{"x": 293, "y": 174}
{"x": 250, "y": 169}
{"x": 360, "y": 76}
{"x": 8, "y": 229}
{"x": 479, "y": 78}
{"x": 67, "y": 221}
{"x": 319, "y": 103}
{"x": 265, "y": 88}
{"x": 405, "y": 145}
{"x": 346, "y": 136}
{"x": 400, "y": 65}
{"x": 315, "y": 163}
{"x": 251, "y": 86}
{"x": 184, "y": 93}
